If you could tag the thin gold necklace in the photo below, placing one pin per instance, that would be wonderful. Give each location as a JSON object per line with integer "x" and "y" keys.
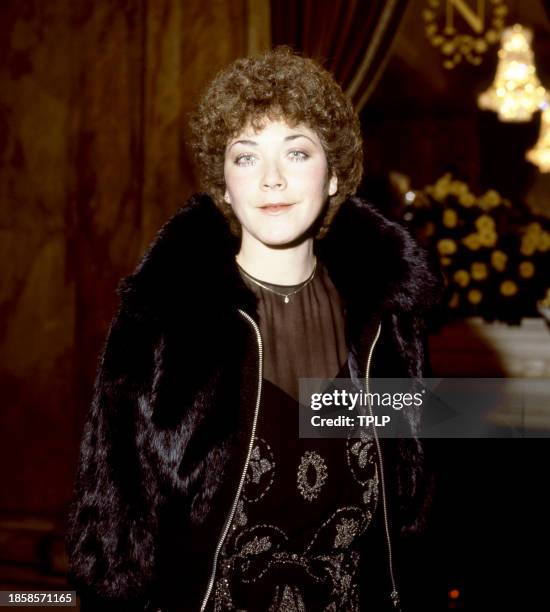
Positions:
{"x": 286, "y": 296}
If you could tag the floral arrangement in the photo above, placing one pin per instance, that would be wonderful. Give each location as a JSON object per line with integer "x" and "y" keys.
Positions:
{"x": 495, "y": 256}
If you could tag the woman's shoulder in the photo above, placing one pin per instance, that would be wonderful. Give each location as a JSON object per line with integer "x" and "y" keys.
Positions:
{"x": 188, "y": 256}
{"x": 373, "y": 255}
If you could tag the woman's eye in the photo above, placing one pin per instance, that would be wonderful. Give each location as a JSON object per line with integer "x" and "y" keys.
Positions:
{"x": 244, "y": 160}
{"x": 298, "y": 155}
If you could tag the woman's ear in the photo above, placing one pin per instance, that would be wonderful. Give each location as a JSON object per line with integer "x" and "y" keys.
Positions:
{"x": 333, "y": 185}
{"x": 226, "y": 197}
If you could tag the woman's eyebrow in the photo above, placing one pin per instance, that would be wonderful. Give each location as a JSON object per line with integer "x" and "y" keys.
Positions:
{"x": 253, "y": 143}
{"x": 244, "y": 142}
{"x": 294, "y": 136}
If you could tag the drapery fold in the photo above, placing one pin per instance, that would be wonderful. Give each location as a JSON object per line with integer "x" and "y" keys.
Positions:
{"x": 352, "y": 39}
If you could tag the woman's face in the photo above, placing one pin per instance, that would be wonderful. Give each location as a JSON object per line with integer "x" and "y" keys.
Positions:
{"x": 277, "y": 181}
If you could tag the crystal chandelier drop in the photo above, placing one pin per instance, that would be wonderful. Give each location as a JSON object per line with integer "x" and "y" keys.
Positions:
{"x": 516, "y": 92}
{"x": 540, "y": 153}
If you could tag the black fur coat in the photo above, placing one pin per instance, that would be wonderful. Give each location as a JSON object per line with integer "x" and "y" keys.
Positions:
{"x": 169, "y": 424}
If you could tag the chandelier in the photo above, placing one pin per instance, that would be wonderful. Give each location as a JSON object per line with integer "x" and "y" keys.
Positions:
{"x": 516, "y": 92}
{"x": 540, "y": 153}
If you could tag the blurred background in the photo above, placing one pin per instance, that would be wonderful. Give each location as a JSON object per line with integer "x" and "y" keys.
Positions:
{"x": 94, "y": 102}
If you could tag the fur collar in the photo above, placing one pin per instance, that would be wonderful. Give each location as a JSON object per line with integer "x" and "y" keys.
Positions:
{"x": 190, "y": 268}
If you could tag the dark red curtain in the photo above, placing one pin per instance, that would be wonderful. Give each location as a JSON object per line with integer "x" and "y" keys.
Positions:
{"x": 351, "y": 38}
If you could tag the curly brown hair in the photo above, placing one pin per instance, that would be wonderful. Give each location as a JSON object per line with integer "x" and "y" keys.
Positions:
{"x": 277, "y": 84}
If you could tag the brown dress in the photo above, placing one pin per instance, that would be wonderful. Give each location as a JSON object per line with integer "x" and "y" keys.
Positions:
{"x": 293, "y": 544}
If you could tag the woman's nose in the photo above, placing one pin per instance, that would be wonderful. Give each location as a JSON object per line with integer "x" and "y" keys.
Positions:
{"x": 273, "y": 178}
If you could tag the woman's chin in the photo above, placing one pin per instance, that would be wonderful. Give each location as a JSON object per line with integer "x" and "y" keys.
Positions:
{"x": 281, "y": 239}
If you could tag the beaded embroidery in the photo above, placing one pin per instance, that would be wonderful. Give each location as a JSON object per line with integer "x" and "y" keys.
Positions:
{"x": 311, "y": 459}
{"x": 254, "y": 552}
{"x": 261, "y": 471}
{"x": 291, "y": 601}
{"x": 347, "y": 530}
{"x": 361, "y": 458}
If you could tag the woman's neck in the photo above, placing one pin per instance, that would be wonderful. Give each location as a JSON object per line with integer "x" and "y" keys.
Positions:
{"x": 280, "y": 266}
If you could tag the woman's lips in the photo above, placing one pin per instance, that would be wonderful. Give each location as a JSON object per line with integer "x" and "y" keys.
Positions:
{"x": 275, "y": 209}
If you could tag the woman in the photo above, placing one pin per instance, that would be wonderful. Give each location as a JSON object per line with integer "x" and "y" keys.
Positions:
{"x": 195, "y": 491}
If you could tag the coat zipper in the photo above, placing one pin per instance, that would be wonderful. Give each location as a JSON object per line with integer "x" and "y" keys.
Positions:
{"x": 229, "y": 520}
{"x": 394, "y": 594}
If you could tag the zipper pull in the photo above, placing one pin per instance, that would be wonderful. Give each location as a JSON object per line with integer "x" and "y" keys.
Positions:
{"x": 395, "y": 600}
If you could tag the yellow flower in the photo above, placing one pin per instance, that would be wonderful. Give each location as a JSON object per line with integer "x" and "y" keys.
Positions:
{"x": 479, "y": 270}
{"x": 528, "y": 244}
{"x": 472, "y": 241}
{"x": 467, "y": 199}
{"x": 461, "y": 277}
{"x": 446, "y": 246}
{"x": 484, "y": 222}
{"x": 498, "y": 259}
{"x": 474, "y": 296}
{"x": 544, "y": 242}
{"x": 534, "y": 228}
{"x": 458, "y": 188}
{"x": 441, "y": 188}
{"x": 446, "y": 261}
{"x": 508, "y": 288}
{"x": 489, "y": 199}
{"x": 534, "y": 238}
{"x": 487, "y": 238}
{"x": 526, "y": 269}
{"x": 440, "y": 193}
{"x": 450, "y": 217}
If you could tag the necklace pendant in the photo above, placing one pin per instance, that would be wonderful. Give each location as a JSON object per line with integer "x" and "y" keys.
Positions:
{"x": 286, "y": 299}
